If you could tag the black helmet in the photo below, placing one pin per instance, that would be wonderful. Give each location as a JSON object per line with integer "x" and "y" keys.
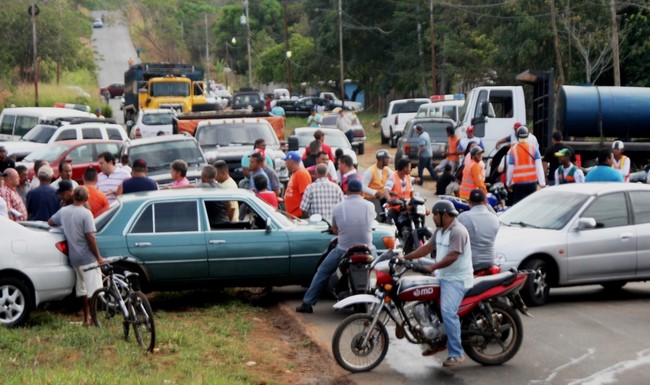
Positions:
{"x": 444, "y": 206}
{"x": 522, "y": 132}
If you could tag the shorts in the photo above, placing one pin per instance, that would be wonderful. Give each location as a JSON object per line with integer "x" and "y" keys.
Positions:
{"x": 88, "y": 281}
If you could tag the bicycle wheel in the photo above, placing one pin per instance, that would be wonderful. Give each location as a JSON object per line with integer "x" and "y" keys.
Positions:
{"x": 142, "y": 319}
{"x": 105, "y": 311}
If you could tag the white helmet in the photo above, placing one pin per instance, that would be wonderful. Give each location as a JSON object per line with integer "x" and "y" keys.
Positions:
{"x": 617, "y": 145}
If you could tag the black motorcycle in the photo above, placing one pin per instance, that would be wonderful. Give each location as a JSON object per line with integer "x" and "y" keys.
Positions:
{"x": 409, "y": 218}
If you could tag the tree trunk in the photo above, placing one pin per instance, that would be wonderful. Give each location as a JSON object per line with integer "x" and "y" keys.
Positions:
{"x": 556, "y": 43}
{"x": 615, "y": 58}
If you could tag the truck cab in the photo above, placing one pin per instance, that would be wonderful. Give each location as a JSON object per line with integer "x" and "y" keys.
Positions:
{"x": 172, "y": 92}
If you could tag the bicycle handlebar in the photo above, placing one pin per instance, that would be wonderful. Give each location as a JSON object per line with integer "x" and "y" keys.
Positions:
{"x": 109, "y": 261}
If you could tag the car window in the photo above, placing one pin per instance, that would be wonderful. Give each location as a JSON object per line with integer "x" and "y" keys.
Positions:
{"x": 159, "y": 155}
{"x": 91, "y": 133}
{"x": 546, "y": 209}
{"x": 157, "y": 119}
{"x": 24, "y": 124}
{"x": 144, "y": 224}
{"x": 641, "y": 206}
{"x": 329, "y": 120}
{"x": 171, "y": 217}
{"x": 235, "y": 133}
{"x": 407, "y": 107}
{"x": 113, "y": 148}
{"x": 69, "y": 134}
{"x": 40, "y": 134}
{"x": 609, "y": 210}
{"x": 82, "y": 154}
{"x": 114, "y": 134}
{"x": 7, "y": 124}
{"x": 49, "y": 153}
{"x": 437, "y": 130}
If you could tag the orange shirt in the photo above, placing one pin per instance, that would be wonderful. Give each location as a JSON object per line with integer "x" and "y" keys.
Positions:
{"x": 97, "y": 201}
{"x": 295, "y": 190}
{"x": 452, "y": 149}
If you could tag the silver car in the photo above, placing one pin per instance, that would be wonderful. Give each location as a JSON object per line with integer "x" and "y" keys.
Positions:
{"x": 578, "y": 234}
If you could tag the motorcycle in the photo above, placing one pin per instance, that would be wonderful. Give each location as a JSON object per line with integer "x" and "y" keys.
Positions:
{"x": 496, "y": 199}
{"x": 409, "y": 218}
{"x": 491, "y": 328}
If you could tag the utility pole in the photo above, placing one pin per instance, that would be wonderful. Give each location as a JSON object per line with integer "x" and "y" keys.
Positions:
{"x": 33, "y": 11}
{"x": 248, "y": 44}
{"x": 207, "y": 52}
{"x": 287, "y": 52}
{"x": 342, "y": 80}
{"x": 434, "y": 86}
{"x": 615, "y": 57}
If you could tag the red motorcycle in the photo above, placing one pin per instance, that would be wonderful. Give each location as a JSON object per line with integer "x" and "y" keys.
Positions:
{"x": 491, "y": 328}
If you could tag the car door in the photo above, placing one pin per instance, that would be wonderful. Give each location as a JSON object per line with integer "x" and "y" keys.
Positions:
{"x": 641, "y": 208}
{"x": 246, "y": 249}
{"x": 607, "y": 251}
{"x": 166, "y": 236}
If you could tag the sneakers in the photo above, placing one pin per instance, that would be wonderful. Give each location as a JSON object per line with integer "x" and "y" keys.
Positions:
{"x": 453, "y": 361}
{"x": 304, "y": 308}
{"x": 429, "y": 351}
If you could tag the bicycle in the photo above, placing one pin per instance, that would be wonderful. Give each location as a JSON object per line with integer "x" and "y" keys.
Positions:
{"x": 121, "y": 296}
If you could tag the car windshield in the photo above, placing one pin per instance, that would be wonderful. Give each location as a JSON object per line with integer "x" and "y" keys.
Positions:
{"x": 329, "y": 120}
{"x": 247, "y": 99}
{"x": 546, "y": 209}
{"x": 158, "y": 119}
{"x": 39, "y": 134}
{"x": 170, "y": 89}
{"x": 437, "y": 130}
{"x": 160, "y": 155}
{"x": 49, "y": 153}
{"x": 407, "y": 107}
{"x": 235, "y": 134}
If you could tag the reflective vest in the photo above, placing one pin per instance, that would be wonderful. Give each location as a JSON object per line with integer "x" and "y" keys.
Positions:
{"x": 468, "y": 183}
{"x": 397, "y": 186}
{"x": 524, "y": 163}
{"x": 619, "y": 166}
{"x": 452, "y": 148}
{"x": 378, "y": 181}
{"x": 569, "y": 178}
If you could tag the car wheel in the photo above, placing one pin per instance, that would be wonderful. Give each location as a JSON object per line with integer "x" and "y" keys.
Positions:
{"x": 612, "y": 286}
{"x": 384, "y": 139}
{"x": 392, "y": 141}
{"x": 15, "y": 302}
{"x": 535, "y": 291}
{"x": 361, "y": 148}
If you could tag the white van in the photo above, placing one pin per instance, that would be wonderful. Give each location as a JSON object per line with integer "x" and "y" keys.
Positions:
{"x": 17, "y": 121}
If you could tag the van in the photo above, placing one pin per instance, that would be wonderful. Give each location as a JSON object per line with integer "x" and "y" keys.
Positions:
{"x": 17, "y": 121}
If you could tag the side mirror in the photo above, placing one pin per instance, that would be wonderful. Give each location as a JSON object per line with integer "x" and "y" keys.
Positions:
{"x": 586, "y": 223}
{"x": 268, "y": 224}
{"x": 315, "y": 218}
{"x": 294, "y": 144}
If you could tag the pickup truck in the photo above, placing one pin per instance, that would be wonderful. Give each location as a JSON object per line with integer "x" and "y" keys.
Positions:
{"x": 399, "y": 112}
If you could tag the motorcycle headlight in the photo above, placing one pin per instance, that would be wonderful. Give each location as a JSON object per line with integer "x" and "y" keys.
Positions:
{"x": 420, "y": 210}
{"x": 372, "y": 279}
{"x": 500, "y": 259}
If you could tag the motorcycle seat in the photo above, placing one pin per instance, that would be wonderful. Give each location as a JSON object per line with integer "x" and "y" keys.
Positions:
{"x": 487, "y": 282}
{"x": 362, "y": 249}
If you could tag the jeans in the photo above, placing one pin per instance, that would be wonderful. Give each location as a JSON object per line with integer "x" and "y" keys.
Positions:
{"x": 425, "y": 163}
{"x": 522, "y": 190}
{"x": 451, "y": 295}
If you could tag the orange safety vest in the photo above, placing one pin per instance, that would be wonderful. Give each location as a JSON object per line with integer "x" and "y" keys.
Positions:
{"x": 378, "y": 181}
{"x": 452, "y": 148}
{"x": 468, "y": 183}
{"x": 524, "y": 167}
{"x": 397, "y": 186}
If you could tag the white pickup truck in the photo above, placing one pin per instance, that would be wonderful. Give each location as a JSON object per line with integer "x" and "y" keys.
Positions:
{"x": 399, "y": 112}
{"x": 354, "y": 106}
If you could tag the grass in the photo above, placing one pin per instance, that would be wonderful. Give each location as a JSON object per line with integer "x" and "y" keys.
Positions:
{"x": 202, "y": 338}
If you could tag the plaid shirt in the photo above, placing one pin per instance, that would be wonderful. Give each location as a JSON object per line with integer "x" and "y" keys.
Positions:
{"x": 320, "y": 197}
{"x": 13, "y": 201}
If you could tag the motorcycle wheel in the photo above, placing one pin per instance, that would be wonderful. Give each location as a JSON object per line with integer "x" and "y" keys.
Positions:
{"x": 348, "y": 348}
{"x": 486, "y": 348}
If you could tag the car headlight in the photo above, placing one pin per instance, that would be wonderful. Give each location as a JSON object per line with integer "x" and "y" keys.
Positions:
{"x": 500, "y": 259}
{"x": 372, "y": 279}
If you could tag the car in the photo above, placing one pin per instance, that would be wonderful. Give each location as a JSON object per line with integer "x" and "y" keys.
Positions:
{"x": 34, "y": 269}
{"x": 172, "y": 240}
{"x": 151, "y": 123}
{"x": 304, "y": 106}
{"x": 61, "y": 129}
{"x": 442, "y": 109}
{"x": 577, "y": 234}
{"x": 98, "y": 23}
{"x": 407, "y": 144}
{"x": 114, "y": 90}
{"x": 244, "y": 99}
{"x": 232, "y": 138}
{"x": 160, "y": 151}
{"x": 17, "y": 121}
{"x": 334, "y": 137}
{"x": 80, "y": 153}
{"x": 399, "y": 112}
{"x": 359, "y": 134}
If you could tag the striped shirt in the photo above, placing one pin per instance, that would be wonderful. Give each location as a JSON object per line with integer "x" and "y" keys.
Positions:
{"x": 106, "y": 183}
{"x": 320, "y": 198}
{"x": 15, "y": 205}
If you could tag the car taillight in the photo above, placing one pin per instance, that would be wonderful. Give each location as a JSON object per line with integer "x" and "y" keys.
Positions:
{"x": 407, "y": 148}
{"x": 361, "y": 258}
{"x": 138, "y": 134}
{"x": 62, "y": 246}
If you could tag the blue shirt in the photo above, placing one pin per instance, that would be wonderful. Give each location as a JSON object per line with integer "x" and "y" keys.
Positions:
{"x": 277, "y": 111}
{"x": 425, "y": 140}
{"x": 42, "y": 203}
{"x": 138, "y": 183}
{"x": 603, "y": 173}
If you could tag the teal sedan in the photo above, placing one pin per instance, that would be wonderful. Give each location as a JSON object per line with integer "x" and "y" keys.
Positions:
{"x": 181, "y": 239}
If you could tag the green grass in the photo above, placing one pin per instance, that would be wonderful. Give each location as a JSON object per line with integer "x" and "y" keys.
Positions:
{"x": 201, "y": 338}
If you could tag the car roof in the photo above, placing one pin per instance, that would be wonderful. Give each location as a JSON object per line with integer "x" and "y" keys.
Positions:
{"x": 158, "y": 139}
{"x": 186, "y": 193}
{"x": 410, "y": 100}
{"x": 76, "y": 142}
{"x": 435, "y": 120}
{"x": 305, "y": 130}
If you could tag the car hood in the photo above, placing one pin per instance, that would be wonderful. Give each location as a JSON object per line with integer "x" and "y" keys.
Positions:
{"x": 23, "y": 148}
{"x": 516, "y": 243}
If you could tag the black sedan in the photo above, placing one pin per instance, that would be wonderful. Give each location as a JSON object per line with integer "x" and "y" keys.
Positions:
{"x": 304, "y": 106}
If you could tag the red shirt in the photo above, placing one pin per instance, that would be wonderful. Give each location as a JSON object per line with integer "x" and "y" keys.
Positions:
{"x": 324, "y": 147}
{"x": 295, "y": 190}
{"x": 268, "y": 197}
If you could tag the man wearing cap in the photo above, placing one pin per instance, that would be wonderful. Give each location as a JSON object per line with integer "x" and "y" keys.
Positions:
{"x": 424, "y": 154}
{"x": 525, "y": 170}
{"x": 297, "y": 185}
{"x": 5, "y": 161}
{"x": 352, "y": 221}
{"x": 42, "y": 201}
{"x": 462, "y": 144}
{"x": 513, "y": 139}
{"x": 15, "y": 205}
{"x": 65, "y": 173}
{"x": 604, "y": 172}
{"x": 139, "y": 181}
{"x": 567, "y": 172}
{"x": 473, "y": 174}
{"x": 550, "y": 161}
{"x": 620, "y": 162}
{"x": 375, "y": 177}
{"x": 482, "y": 225}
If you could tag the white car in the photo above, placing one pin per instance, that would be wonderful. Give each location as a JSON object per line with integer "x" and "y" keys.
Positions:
{"x": 34, "y": 268}
{"x": 399, "y": 112}
{"x": 151, "y": 122}
{"x": 334, "y": 137}
{"x": 98, "y": 23}
{"x": 577, "y": 234}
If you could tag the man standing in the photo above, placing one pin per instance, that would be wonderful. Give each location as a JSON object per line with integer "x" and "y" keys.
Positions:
{"x": 352, "y": 221}
{"x": 258, "y": 146}
{"x": 65, "y": 173}
{"x": 374, "y": 179}
{"x": 323, "y": 158}
{"x": 65, "y": 192}
{"x": 604, "y": 172}
{"x": 473, "y": 174}
{"x": 399, "y": 185}
{"x": 482, "y": 226}
{"x": 567, "y": 172}
{"x": 298, "y": 183}
{"x": 424, "y": 154}
{"x": 525, "y": 169}
{"x": 513, "y": 138}
{"x": 321, "y": 196}
{"x": 226, "y": 182}
{"x": 15, "y": 206}
{"x": 139, "y": 181}
{"x": 550, "y": 161}
{"x": 347, "y": 171}
{"x": 111, "y": 177}
{"x": 5, "y": 161}
{"x": 451, "y": 243}
{"x": 620, "y": 161}
{"x": 344, "y": 123}
{"x": 314, "y": 120}
{"x": 42, "y": 202}
{"x": 217, "y": 210}
{"x": 23, "y": 184}
{"x": 462, "y": 144}
{"x": 451, "y": 151}
{"x": 97, "y": 201}
{"x": 255, "y": 165}
{"x": 79, "y": 229}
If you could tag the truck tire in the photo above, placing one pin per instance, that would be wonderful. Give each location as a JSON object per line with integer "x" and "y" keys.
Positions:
{"x": 205, "y": 107}
{"x": 384, "y": 139}
{"x": 361, "y": 149}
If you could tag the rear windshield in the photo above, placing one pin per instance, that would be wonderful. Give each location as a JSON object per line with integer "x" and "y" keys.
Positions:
{"x": 40, "y": 134}
{"x": 247, "y": 99}
{"x": 158, "y": 119}
{"x": 160, "y": 155}
{"x": 235, "y": 134}
{"x": 407, "y": 107}
{"x": 437, "y": 131}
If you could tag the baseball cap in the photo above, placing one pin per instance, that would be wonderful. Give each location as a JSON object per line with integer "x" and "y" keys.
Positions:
{"x": 470, "y": 129}
{"x": 382, "y": 154}
{"x": 477, "y": 196}
{"x": 64, "y": 186}
{"x": 475, "y": 150}
{"x": 517, "y": 125}
{"x": 45, "y": 172}
{"x": 617, "y": 145}
{"x": 354, "y": 186}
{"x": 563, "y": 152}
{"x": 140, "y": 163}
{"x": 293, "y": 156}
